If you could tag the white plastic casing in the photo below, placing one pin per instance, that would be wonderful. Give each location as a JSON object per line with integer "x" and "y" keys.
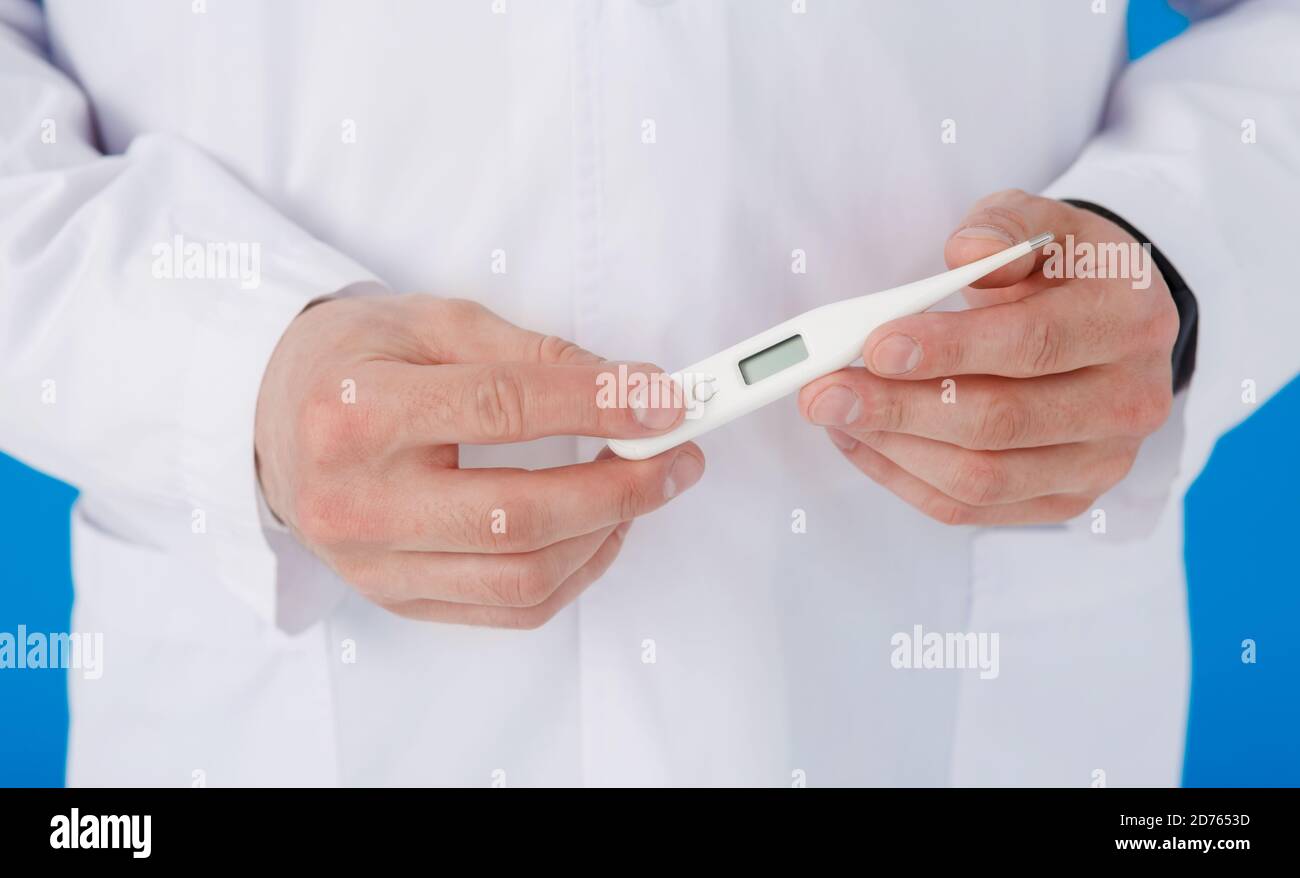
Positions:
{"x": 716, "y": 392}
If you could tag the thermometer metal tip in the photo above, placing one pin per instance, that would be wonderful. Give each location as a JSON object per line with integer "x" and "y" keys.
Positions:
{"x": 1039, "y": 240}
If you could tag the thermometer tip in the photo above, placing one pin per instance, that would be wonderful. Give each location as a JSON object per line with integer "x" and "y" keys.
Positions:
{"x": 1039, "y": 240}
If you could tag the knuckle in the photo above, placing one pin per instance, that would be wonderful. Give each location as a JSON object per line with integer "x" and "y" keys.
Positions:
{"x": 528, "y": 525}
{"x": 1163, "y": 326}
{"x": 521, "y": 583}
{"x": 366, "y": 577}
{"x": 892, "y": 412}
{"x": 555, "y": 349}
{"x": 529, "y": 618}
{"x": 1145, "y": 411}
{"x": 323, "y": 517}
{"x": 498, "y": 405}
{"x": 323, "y": 431}
{"x": 1004, "y": 423}
{"x": 414, "y": 610}
{"x": 1159, "y": 407}
{"x": 1003, "y": 206}
{"x": 446, "y": 320}
{"x": 335, "y": 423}
{"x": 1040, "y": 349}
{"x": 947, "y": 511}
{"x": 951, "y": 354}
{"x": 979, "y": 481}
{"x": 1070, "y": 507}
{"x": 459, "y": 311}
{"x": 634, "y": 498}
{"x": 1115, "y": 470}
{"x": 1004, "y": 195}
{"x": 461, "y": 524}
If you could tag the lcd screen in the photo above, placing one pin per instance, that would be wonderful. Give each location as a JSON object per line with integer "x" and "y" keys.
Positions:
{"x": 777, "y": 358}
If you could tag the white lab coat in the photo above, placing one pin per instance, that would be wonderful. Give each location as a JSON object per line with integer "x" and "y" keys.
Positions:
{"x": 647, "y": 171}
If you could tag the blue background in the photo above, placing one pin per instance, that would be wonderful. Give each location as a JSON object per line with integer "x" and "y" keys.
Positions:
{"x": 1244, "y": 723}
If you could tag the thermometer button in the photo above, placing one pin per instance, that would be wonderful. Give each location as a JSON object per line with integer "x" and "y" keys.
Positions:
{"x": 705, "y": 389}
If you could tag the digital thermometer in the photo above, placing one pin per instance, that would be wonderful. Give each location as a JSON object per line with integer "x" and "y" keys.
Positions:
{"x": 779, "y": 361}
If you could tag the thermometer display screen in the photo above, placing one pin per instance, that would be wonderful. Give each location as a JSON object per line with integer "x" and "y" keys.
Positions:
{"x": 777, "y": 358}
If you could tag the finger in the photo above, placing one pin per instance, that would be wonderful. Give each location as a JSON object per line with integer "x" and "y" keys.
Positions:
{"x": 512, "y": 510}
{"x": 462, "y": 331}
{"x": 1002, "y": 219}
{"x": 988, "y": 478}
{"x": 988, "y": 413}
{"x": 1058, "y": 330}
{"x": 523, "y": 579}
{"x": 515, "y": 617}
{"x": 482, "y": 404}
{"x": 947, "y": 510}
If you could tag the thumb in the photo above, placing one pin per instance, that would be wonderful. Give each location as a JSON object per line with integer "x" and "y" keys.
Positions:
{"x": 1000, "y": 220}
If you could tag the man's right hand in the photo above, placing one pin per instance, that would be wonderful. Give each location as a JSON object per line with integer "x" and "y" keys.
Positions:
{"x": 361, "y": 413}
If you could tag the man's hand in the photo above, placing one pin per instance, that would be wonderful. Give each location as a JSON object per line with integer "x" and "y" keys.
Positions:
{"x": 1055, "y": 382}
{"x": 361, "y": 412}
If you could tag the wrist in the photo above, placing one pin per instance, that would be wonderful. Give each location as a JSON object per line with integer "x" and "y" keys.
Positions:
{"x": 1184, "y": 351}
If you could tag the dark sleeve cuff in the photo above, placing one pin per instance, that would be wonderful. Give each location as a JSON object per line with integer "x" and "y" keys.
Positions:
{"x": 1184, "y": 354}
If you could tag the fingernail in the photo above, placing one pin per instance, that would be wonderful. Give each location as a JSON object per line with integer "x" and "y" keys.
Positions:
{"x": 685, "y": 471}
{"x": 835, "y": 407}
{"x": 986, "y": 233}
{"x": 842, "y": 440}
{"x": 896, "y": 355}
{"x": 656, "y": 417}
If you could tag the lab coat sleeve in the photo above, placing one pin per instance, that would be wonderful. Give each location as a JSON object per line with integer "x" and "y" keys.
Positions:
{"x": 115, "y": 374}
{"x": 1200, "y": 149}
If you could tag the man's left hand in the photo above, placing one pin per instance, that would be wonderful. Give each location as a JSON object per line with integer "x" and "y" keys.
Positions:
{"x": 1029, "y": 405}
